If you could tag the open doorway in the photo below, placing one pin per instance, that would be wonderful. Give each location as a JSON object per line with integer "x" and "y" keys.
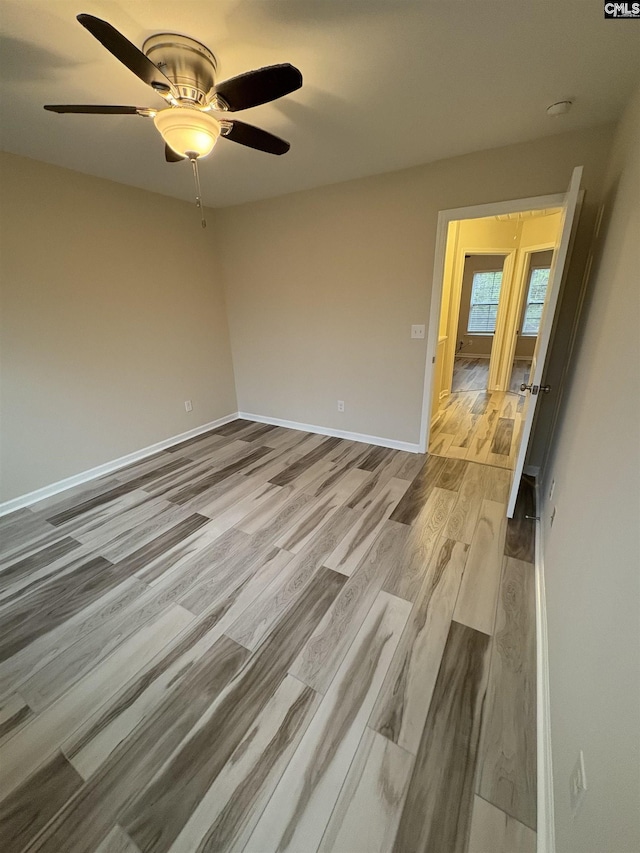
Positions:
{"x": 493, "y": 429}
{"x": 482, "y": 278}
{"x": 537, "y": 269}
{"x": 494, "y": 290}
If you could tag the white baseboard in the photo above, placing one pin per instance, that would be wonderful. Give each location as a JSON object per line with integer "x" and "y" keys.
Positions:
{"x": 546, "y": 822}
{"x": 336, "y": 433}
{"x": 108, "y": 467}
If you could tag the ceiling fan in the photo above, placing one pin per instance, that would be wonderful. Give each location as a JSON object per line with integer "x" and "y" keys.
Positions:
{"x": 182, "y": 71}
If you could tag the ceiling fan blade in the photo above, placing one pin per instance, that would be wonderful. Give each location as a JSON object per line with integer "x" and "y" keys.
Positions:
{"x": 254, "y": 137}
{"x": 128, "y": 54}
{"x": 170, "y": 155}
{"x": 258, "y": 87}
{"x": 94, "y": 108}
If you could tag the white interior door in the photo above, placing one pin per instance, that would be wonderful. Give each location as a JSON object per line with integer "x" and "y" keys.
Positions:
{"x": 546, "y": 324}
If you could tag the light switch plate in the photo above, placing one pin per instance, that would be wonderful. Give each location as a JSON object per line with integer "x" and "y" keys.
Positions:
{"x": 417, "y": 331}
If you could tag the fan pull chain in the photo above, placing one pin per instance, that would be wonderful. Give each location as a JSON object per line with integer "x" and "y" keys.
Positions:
{"x": 196, "y": 176}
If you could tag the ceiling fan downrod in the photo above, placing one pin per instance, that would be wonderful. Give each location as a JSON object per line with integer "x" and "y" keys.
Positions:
{"x": 193, "y": 159}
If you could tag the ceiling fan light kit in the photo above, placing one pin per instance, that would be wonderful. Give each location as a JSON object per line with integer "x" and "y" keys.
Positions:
{"x": 188, "y": 131}
{"x": 182, "y": 71}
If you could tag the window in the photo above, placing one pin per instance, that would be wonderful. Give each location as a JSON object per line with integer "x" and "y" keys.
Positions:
{"x": 538, "y": 281}
{"x": 485, "y": 295}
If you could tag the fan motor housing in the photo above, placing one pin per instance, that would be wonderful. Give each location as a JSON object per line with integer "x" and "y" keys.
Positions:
{"x": 188, "y": 63}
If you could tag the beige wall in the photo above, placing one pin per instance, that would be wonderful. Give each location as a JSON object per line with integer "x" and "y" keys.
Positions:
{"x": 112, "y": 316}
{"x": 323, "y": 285}
{"x": 592, "y": 558}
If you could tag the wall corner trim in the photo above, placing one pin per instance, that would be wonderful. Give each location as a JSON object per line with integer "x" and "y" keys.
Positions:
{"x": 546, "y": 821}
{"x": 335, "y": 433}
{"x": 108, "y": 467}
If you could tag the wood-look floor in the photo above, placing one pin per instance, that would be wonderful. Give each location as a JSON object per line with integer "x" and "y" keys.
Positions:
{"x": 264, "y": 640}
{"x": 472, "y": 374}
{"x": 479, "y": 426}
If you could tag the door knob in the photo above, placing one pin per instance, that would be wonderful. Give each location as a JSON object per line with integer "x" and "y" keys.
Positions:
{"x": 535, "y": 388}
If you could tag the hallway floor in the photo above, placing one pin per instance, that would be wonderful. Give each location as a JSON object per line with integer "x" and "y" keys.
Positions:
{"x": 472, "y": 374}
{"x": 265, "y": 640}
{"x": 479, "y": 427}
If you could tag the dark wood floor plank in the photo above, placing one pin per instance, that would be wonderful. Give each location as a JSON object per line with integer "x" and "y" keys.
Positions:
{"x": 39, "y": 738}
{"x": 88, "y": 816}
{"x": 375, "y": 458}
{"x": 502, "y": 436}
{"x": 191, "y": 491}
{"x": 49, "y": 606}
{"x": 508, "y": 754}
{"x": 254, "y": 432}
{"x": 55, "y": 569}
{"x": 520, "y": 541}
{"x": 70, "y": 665}
{"x": 480, "y": 403}
{"x": 407, "y": 573}
{"x": 256, "y": 622}
{"x": 92, "y": 743}
{"x": 179, "y": 651}
{"x": 437, "y": 810}
{"x": 39, "y": 560}
{"x": 356, "y": 543}
{"x": 305, "y": 462}
{"x": 21, "y": 531}
{"x": 401, "y": 708}
{"x": 232, "y": 427}
{"x": 14, "y": 712}
{"x": 161, "y": 811}
{"x": 163, "y": 545}
{"x": 451, "y": 474}
{"x": 322, "y": 655}
{"x": 299, "y": 810}
{"x": 116, "y": 492}
{"x": 30, "y": 659}
{"x": 117, "y": 842}
{"x": 228, "y": 812}
{"x": 418, "y": 492}
{"x": 30, "y": 807}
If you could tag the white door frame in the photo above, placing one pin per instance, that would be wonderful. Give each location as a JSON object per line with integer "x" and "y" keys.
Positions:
{"x": 477, "y": 211}
{"x": 515, "y": 309}
{"x": 508, "y": 270}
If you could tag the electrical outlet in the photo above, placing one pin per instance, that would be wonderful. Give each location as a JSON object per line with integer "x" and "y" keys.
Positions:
{"x": 578, "y": 784}
{"x": 552, "y": 489}
{"x": 553, "y": 517}
{"x": 417, "y": 332}
{"x": 341, "y": 405}
{"x": 187, "y": 406}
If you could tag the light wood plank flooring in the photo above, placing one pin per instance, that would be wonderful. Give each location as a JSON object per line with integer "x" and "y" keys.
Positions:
{"x": 479, "y": 426}
{"x": 472, "y": 374}
{"x": 264, "y": 640}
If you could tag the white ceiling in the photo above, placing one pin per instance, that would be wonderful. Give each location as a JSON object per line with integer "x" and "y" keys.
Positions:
{"x": 387, "y": 84}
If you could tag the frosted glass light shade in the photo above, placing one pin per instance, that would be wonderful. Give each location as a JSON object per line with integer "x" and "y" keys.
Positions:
{"x": 185, "y": 129}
